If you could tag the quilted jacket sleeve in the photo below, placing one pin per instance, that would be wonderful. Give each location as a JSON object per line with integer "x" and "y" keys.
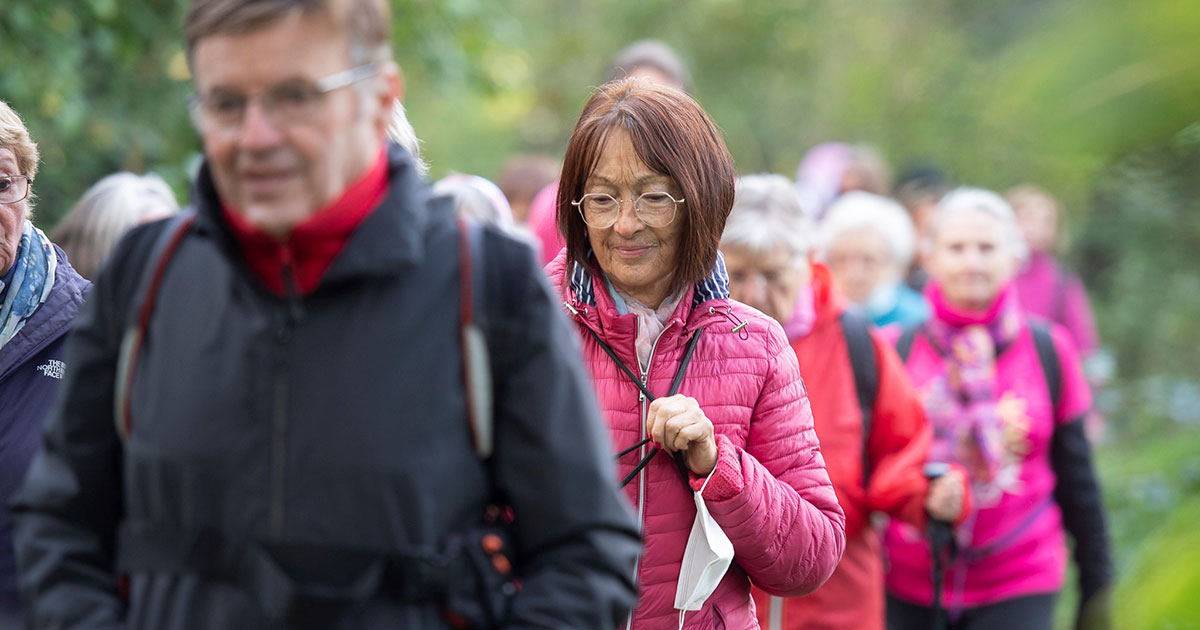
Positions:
{"x": 772, "y": 496}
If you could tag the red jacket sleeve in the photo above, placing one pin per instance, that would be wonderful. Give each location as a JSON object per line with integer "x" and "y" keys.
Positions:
{"x": 899, "y": 442}
{"x": 773, "y": 497}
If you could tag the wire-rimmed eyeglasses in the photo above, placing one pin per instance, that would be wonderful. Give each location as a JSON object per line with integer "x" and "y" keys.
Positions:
{"x": 601, "y": 210}
{"x": 14, "y": 188}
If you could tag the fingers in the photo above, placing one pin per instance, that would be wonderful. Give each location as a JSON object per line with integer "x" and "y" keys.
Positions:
{"x": 677, "y": 424}
{"x": 944, "y": 501}
{"x": 667, "y": 416}
{"x": 689, "y": 431}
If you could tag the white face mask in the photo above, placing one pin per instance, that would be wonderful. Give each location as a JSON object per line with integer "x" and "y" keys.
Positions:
{"x": 705, "y": 560}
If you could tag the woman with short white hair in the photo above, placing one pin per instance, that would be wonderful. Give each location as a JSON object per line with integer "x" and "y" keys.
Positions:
{"x": 874, "y": 440}
{"x": 110, "y": 208}
{"x": 867, "y": 241}
{"x": 1006, "y": 396}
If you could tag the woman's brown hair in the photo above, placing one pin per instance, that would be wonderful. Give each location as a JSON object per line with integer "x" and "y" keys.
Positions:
{"x": 673, "y": 136}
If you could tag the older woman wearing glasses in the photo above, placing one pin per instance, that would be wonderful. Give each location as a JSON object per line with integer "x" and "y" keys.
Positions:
{"x": 39, "y": 295}
{"x": 703, "y": 395}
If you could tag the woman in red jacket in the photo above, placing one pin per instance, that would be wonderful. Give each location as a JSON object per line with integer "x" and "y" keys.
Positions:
{"x": 702, "y": 394}
{"x": 767, "y": 245}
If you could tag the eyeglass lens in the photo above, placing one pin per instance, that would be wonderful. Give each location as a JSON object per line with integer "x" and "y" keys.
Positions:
{"x": 13, "y": 188}
{"x": 655, "y": 209}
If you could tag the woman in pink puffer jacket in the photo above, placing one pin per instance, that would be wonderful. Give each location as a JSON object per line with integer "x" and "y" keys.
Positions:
{"x": 701, "y": 391}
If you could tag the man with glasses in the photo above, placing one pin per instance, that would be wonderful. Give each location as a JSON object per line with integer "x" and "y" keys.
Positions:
{"x": 275, "y": 417}
{"x": 39, "y": 295}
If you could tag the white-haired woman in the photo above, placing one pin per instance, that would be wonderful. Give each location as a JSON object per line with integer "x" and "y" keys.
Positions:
{"x": 875, "y": 453}
{"x": 110, "y": 208}
{"x": 867, "y": 241}
{"x": 1005, "y": 395}
{"x": 477, "y": 198}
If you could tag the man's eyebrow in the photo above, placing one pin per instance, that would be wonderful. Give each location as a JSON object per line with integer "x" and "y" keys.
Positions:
{"x": 292, "y": 80}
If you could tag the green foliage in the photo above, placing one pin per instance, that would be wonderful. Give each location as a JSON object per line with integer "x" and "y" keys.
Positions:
{"x": 1156, "y": 534}
{"x": 98, "y": 84}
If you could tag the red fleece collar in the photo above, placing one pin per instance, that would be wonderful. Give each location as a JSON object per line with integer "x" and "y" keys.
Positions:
{"x": 313, "y": 244}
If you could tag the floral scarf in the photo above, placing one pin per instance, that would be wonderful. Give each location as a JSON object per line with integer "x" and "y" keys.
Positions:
{"x": 963, "y": 406}
{"x": 27, "y": 285}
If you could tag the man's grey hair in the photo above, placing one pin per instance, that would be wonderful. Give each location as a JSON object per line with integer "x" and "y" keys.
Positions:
{"x": 856, "y": 210}
{"x": 368, "y": 23}
{"x": 766, "y": 215}
{"x": 401, "y": 131}
{"x": 966, "y": 199}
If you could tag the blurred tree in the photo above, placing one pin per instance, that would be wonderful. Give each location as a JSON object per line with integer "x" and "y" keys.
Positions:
{"x": 98, "y": 83}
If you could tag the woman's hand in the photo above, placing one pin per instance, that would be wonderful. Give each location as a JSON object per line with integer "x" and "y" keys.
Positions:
{"x": 677, "y": 424}
{"x": 945, "y": 499}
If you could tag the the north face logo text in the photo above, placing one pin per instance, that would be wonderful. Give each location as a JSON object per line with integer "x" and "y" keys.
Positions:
{"x": 53, "y": 368}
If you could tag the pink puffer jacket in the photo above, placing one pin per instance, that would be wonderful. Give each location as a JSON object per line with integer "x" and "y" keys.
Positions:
{"x": 769, "y": 493}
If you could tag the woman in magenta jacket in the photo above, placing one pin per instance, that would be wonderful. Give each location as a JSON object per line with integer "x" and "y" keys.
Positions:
{"x": 1006, "y": 396}
{"x": 702, "y": 394}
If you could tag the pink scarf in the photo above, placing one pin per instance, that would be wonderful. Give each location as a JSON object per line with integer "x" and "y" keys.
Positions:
{"x": 967, "y": 425}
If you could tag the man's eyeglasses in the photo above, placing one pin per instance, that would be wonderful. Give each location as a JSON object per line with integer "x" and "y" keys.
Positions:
{"x": 600, "y": 210}
{"x": 287, "y": 103}
{"x": 14, "y": 188}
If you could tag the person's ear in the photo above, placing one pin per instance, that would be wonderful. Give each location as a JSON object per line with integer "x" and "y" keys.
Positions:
{"x": 392, "y": 89}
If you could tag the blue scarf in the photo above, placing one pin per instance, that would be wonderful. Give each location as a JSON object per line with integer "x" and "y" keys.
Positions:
{"x": 27, "y": 285}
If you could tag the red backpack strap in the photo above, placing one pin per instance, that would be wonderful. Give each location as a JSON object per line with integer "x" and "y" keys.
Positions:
{"x": 477, "y": 373}
{"x": 135, "y": 331}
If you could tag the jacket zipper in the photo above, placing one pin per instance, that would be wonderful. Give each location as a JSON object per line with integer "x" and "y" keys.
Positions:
{"x": 642, "y": 451}
{"x": 283, "y": 338}
{"x": 775, "y": 613}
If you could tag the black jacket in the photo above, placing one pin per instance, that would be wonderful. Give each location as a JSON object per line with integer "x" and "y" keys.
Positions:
{"x": 336, "y": 420}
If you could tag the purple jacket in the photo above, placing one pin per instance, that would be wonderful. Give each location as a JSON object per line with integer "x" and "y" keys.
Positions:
{"x": 31, "y": 367}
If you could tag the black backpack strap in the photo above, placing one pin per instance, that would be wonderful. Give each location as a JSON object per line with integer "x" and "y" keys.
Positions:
{"x": 138, "y": 315}
{"x": 866, "y": 375}
{"x": 904, "y": 344}
{"x": 1048, "y": 357}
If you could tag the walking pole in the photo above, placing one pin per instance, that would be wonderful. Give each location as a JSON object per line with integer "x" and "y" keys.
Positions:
{"x": 941, "y": 537}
